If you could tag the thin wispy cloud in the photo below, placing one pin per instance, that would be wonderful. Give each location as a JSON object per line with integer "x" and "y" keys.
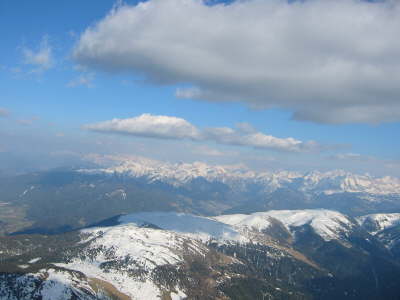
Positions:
{"x": 41, "y": 58}
{"x": 324, "y": 61}
{"x": 85, "y": 80}
{"x": 28, "y": 121}
{"x": 349, "y": 156}
{"x": 166, "y": 127}
{"x": 208, "y": 151}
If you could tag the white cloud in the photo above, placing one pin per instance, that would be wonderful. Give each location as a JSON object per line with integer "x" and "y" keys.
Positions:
{"x": 147, "y": 125}
{"x": 349, "y": 156}
{"x": 41, "y": 59}
{"x": 4, "y": 112}
{"x": 209, "y": 151}
{"x": 85, "y": 79}
{"x": 393, "y": 164}
{"x": 27, "y": 122}
{"x": 245, "y": 127}
{"x": 229, "y": 136}
{"x": 362, "y": 163}
{"x": 325, "y": 61}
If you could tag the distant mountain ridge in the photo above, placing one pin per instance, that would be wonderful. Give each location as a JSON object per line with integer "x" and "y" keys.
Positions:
{"x": 58, "y": 200}
{"x": 179, "y": 174}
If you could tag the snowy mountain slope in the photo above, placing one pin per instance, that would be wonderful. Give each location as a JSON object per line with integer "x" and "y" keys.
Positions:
{"x": 196, "y": 227}
{"x": 140, "y": 249}
{"x": 132, "y": 255}
{"x": 384, "y": 227}
{"x": 129, "y": 255}
{"x": 229, "y": 228}
{"x": 168, "y": 255}
{"x": 50, "y": 284}
{"x": 238, "y": 177}
{"x": 131, "y": 261}
{"x": 378, "y": 222}
{"x": 328, "y": 224}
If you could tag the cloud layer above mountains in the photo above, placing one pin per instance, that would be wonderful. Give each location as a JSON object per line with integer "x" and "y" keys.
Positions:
{"x": 324, "y": 61}
{"x": 165, "y": 127}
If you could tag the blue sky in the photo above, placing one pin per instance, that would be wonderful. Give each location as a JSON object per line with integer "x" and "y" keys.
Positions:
{"x": 60, "y": 87}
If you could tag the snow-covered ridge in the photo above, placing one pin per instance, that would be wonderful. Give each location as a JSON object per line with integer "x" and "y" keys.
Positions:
{"x": 378, "y": 222}
{"x": 197, "y": 227}
{"x": 179, "y": 174}
{"x": 150, "y": 239}
{"x": 326, "y": 223}
{"x": 230, "y": 228}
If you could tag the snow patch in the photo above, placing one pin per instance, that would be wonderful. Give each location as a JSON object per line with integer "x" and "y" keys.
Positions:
{"x": 179, "y": 295}
{"x": 34, "y": 260}
{"x": 23, "y": 266}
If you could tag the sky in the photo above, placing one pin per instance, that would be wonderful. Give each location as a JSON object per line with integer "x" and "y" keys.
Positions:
{"x": 267, "y": 84}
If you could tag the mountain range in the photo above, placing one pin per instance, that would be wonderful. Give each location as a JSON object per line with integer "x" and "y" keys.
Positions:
{"x": 145, "y": 229}
{"x": 279, "y": 254}
{"x": 63, "y": 199}
{"x": 179, "y": 174}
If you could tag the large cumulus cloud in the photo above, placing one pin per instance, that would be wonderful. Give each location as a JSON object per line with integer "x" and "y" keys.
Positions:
{"x": 325, "y": 61}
